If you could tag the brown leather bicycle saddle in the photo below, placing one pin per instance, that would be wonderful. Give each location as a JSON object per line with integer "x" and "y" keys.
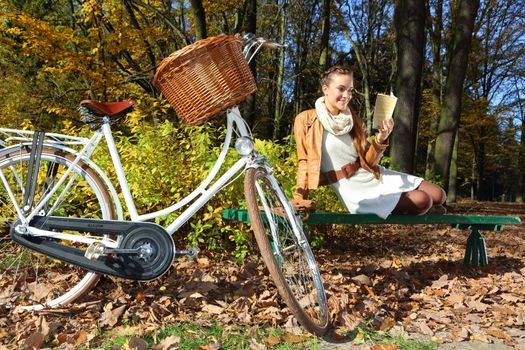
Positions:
{"x": 110, "y": 109}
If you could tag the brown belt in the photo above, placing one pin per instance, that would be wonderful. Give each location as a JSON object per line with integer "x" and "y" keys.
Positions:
{"x": 346, "y": 171}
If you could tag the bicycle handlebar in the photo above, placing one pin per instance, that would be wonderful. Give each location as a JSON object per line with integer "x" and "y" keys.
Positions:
{"x": 268, "y": 43}
{"x": 251, "y": 41}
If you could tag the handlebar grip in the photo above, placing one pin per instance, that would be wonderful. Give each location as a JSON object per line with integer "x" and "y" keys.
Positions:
{"x": 271, "y": 45}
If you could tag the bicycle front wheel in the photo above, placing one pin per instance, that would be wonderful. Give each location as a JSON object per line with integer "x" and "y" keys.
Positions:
{"x": 28, "y": 279}
{"x": 285, "y": 250}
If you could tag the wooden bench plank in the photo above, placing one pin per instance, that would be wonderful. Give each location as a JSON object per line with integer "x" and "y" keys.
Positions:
{"x": 475, "y": 251}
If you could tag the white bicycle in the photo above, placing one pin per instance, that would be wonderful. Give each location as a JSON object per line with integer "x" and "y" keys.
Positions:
{"x": 59, "y": 205}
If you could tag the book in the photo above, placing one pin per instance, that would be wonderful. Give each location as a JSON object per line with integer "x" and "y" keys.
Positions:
{"x": 383, "y": 109}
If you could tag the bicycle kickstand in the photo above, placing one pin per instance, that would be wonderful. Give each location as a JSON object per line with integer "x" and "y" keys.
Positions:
{"x": 32, "y": 171}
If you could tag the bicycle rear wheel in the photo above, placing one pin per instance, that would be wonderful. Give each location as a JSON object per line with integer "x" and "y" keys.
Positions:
{"x": 285, "y": 250}
{"x": 32, "y": 280}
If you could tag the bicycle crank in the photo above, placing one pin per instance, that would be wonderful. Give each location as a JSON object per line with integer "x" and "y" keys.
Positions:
{"x": 145, "y": 250}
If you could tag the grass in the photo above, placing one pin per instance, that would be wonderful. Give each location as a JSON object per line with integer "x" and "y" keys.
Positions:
{"x": 205, "y": 335}
{"x": 191, "y": 335}
{"x": 368, "y": 335}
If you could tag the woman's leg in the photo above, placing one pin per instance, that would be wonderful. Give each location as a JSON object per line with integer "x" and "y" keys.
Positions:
{"x": 414, "y": 202}
{"x": 435, "y": 192}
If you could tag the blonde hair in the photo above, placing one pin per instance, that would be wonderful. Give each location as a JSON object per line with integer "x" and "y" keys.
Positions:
{"x": 358, "y": 132}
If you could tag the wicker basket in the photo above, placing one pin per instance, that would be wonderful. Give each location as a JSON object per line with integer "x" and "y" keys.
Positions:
{"x": 204, "y": 78}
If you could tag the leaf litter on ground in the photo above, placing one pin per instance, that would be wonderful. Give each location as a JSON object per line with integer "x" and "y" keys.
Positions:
{"x": 407, "y": 279}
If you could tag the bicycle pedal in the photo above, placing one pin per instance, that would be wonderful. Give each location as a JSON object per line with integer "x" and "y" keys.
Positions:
{"x": 94, "y": 251}
{"x": 191, "y": 253}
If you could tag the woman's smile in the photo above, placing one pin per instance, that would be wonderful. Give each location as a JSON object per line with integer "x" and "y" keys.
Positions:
{"x": 338, "y": 93}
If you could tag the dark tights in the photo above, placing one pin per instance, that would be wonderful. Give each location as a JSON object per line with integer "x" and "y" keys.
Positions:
{"x": 420, "y": 200}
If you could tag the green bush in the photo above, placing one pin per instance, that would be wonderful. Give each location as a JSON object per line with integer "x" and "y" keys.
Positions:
{"x": 164, "y": 161}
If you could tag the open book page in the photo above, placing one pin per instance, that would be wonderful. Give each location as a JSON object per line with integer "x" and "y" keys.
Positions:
{"x": 384, "y": 108}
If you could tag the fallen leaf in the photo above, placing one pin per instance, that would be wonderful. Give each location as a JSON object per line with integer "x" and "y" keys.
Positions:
{"x": 473, "y": 318}
{"x": 272, "y": 340}
{"x": 368, "y": 290}
{"x": 477, "y": 305}
{"x": 362, "y": 279}
{"x": 384, "y": 347}
{"x": 254, "y": 345}
{"x": 480, "y": 337}
{"x": 136, "y": 343}
{"x": 169, "y": 343}
{"x": 396, "y": 263}
{"x": 510, "y": 298}
{"x": 203, "y": 262}
{"x": 271, "y": 313}
{"x": 455, "y": 299}
{"x": 81, "y": 337}
{"x": 387, "y": 324}
{"x": 425, "y": 329}
{"x": 441, "y": 282}
{"x": 111, "y": 317}
{"x": 140, "y": 297}
{"x": 34, "y": 341}
{"x": 459, "y": 333}
{"x": 39, "y": 290}
{"x": 498, "y": 334}
{"x": 359, "y": 338}
{"x": 294, "y": 338}
{"x": 214, "y": 346}
{"x": 213, "y": 309}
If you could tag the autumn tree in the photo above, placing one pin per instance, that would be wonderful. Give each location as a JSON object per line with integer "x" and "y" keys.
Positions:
{"x": 456, "y": 69}
{"x": 368, "y": 29}
{"x": 410, "y": 42}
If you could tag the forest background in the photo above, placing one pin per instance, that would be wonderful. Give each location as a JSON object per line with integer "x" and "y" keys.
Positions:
{"x": 457, "y": 67}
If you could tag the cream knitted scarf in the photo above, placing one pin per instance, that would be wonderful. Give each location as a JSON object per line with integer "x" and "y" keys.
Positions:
{"x": 337, "y": 125}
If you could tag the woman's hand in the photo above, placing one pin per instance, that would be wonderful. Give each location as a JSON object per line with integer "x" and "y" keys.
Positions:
{"x": 385, "y": 130}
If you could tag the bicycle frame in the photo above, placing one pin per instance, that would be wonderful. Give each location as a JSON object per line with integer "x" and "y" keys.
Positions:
{"x": 204, "y": 194}
{"x": 200, "y": 196}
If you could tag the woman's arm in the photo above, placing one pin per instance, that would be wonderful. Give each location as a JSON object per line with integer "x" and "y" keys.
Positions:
{"x": 380, "y": 143}
{"x": 301, "y": 184}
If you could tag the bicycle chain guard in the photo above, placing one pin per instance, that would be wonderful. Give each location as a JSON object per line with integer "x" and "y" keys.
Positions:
{"x": 141, "y": 267}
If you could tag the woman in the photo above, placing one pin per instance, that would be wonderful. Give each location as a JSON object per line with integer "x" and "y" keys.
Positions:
{"x": 332, "y": 148}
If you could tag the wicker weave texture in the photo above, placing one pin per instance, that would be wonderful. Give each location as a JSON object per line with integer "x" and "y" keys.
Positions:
{"x": 205, "y": 78}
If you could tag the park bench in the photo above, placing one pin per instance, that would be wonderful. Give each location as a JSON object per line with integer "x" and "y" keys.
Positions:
{"x": 475, "y": 251}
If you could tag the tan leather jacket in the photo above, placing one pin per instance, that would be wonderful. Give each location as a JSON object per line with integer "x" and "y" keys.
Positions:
{"x": 308, "y": 132}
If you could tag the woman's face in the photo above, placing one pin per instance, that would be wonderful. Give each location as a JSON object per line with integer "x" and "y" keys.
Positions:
{"x": 338, "y": 92}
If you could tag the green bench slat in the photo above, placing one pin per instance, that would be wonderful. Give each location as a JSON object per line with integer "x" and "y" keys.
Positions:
{"x": 475, "y": 251}
{"x": 490, "y": 222}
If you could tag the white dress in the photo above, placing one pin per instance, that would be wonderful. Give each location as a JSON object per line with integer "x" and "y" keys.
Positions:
{"x": 362, "y": 192}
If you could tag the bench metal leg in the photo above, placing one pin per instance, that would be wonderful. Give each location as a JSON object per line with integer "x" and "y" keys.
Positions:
{"x": 476, "y": 251}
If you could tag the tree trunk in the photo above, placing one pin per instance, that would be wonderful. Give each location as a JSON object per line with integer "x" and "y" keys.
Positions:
{"x": 409, "y": 21}
{"x": 451, "y": 195}
{"x": 302, "y": 38}
{"x": 325, "y": 37}
{"x": 435, "y": 25}
{"x": 520, "y": 186}
{"x": 521, "y": 160}
{"x": 251, "y": 27}
{"x": 473, "y": 179}
{"x": 365, "y": 86}
{"x": 451, "y": 108}
{"x": 199, "y": 18}
{"x": 278, "y": 107}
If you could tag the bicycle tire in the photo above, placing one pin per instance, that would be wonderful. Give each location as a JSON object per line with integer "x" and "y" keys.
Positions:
{"x": 36, "y": 281}
{"x": 285, "y": 250}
